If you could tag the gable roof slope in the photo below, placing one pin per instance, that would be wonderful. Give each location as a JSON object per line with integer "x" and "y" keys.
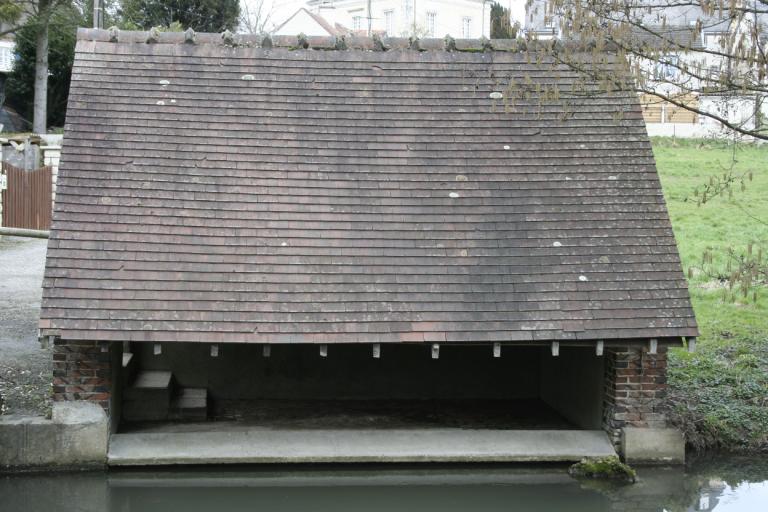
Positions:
{"x": 210, "y": 193}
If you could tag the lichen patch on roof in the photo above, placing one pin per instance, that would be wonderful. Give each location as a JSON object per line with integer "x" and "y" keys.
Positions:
{"x": 314, "y": 202}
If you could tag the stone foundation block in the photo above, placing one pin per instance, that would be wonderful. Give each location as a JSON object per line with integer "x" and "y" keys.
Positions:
{"x": 652, "y": 446}
{"x": 76, "y": 436}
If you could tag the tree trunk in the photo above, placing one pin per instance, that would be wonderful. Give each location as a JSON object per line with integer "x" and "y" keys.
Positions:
{"x": 39, "y": 120}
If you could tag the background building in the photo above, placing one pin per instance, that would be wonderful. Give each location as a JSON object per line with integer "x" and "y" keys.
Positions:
{"x": 691, "y": 67}
{"x": 395, "y": 18}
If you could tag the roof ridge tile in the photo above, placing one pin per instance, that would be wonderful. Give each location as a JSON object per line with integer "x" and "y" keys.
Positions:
{"x": 302, "y": 41}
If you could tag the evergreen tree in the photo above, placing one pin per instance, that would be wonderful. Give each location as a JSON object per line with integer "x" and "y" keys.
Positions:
{"x": 20, "y": 87}
{"x": 501, "y": 23}
{"x": 200, "y": 15}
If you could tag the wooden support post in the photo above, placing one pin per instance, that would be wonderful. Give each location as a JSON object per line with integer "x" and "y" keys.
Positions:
{"x": 157, "y": 349}
{"x": 266, "y": 350}
{"x": 497, "y": 350}
{"x": 599, "y": 347}
{"x": 435, "y": 351}
{"x": 691, "y": 345}
{"x": 653, "y": 346}
{"x": 323, "y": 350}
{"x": 214, "y": 351}
{"x": 45, "y": 341}
{"x": 376, "y": 351}
{"x": 555, "y": 348}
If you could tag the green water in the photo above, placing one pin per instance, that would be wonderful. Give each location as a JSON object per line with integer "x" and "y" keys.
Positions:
{"x": 724, "y": 484}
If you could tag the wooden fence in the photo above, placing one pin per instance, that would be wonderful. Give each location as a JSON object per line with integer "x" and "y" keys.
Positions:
{"x": 27, "y": 199}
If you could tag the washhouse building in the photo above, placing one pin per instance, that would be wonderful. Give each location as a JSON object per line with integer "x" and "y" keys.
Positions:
{"x": 363, "y": 249}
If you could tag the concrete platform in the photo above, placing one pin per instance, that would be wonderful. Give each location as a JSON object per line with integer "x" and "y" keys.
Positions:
{"x": 362, "y": 445}
{"x": 75, "y": 437}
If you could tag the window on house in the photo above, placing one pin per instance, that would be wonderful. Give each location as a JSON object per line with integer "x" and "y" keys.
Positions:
{"x": 667, "y": 68}
{"x": 357, "y": 22}
{"x": 408, "y": 7}
{"x": 715, "y": 41}
{"x": 389, "y": 22}
{"x": 431, "y": 17}
{"x": 466, "y": 27}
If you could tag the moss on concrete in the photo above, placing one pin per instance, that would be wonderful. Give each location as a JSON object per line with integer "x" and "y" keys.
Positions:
{"x": 606, "y": 468}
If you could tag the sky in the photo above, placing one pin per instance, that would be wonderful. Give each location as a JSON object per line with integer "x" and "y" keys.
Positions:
{"x": 281, "y": 10}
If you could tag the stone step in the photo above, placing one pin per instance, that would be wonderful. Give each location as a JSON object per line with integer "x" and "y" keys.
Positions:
{"x": 152, "y": 384}
{"x": 153, "y": 379}
{"x": 130, "y": 367}
{"x": 190, "y": 404}
{"x": 141, "y": 410}
{"x": 149, "y": 397}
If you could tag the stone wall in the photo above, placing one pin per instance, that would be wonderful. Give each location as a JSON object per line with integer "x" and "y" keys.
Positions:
{"x": 82, "y": 370}
{"x": 635, "y": 389}
{"x": 51, "y": 158}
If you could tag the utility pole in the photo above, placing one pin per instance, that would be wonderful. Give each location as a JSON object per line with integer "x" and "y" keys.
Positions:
{"x": 369, "y": 18}
{"x": 40, "y": 105}
{"x": 482, "y": 25}
{"x": 98, "y": 17}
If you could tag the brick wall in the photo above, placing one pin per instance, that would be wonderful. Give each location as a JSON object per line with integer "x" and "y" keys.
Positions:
{"x": 82, "y": 370}
{"x": 635, "y": 389}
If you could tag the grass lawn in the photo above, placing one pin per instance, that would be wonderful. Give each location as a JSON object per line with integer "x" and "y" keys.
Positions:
{"x": 719, "y": 394}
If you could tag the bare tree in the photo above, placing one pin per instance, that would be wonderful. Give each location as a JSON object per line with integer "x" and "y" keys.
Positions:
{"x": 678, "y": 51}
{"x": 255, "y": 17}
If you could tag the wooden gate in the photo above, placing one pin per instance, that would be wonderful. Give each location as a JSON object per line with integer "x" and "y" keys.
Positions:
{"x": 27, "y": 200}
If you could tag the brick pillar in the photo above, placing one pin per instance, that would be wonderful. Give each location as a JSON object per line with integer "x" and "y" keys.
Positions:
{"x": 635, "y": 388}
{"x": 82, "y": 371}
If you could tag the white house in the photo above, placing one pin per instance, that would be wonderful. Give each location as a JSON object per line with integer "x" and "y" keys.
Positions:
{"x": 396, "y": 18}
{"x": 6, "y": 55}
{"x": 688, "y": 68}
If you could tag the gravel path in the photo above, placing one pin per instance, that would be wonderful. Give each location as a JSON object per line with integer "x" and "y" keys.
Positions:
{"x": 25, "y": 368}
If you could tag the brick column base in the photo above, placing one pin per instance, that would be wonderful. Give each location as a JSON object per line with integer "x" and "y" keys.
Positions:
{"x": 635, "y": 389}
{"x": 82, "y": 371}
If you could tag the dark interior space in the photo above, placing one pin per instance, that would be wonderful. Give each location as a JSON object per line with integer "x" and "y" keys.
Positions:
{"x": 405, "y": 387}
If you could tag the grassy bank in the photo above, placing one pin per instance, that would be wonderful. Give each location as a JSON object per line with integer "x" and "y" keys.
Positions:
{"x": 719, "y": 395}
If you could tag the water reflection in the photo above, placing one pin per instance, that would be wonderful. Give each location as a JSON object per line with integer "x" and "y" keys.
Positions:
{"x": 719, "y": 485}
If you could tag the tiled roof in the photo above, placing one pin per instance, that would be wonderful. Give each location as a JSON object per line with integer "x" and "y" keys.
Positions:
{"x": 673, "y": 38}
{"x": 333, "y": 30}
{"x": 247, "y": 194}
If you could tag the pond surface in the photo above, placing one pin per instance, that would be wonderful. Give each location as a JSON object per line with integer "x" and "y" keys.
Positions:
{"x": 724, "y": 484}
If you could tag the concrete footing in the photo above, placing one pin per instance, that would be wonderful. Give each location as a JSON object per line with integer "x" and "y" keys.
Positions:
{"x": 652, "y": 446}
{"x": 75, "y": 436}
{"x": 356, "y": 445}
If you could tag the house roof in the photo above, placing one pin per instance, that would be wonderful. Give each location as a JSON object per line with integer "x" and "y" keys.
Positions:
{"x": 335, "y": 29}
{"x": 671, "y": 38}
{"x": 213, "y": 193}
